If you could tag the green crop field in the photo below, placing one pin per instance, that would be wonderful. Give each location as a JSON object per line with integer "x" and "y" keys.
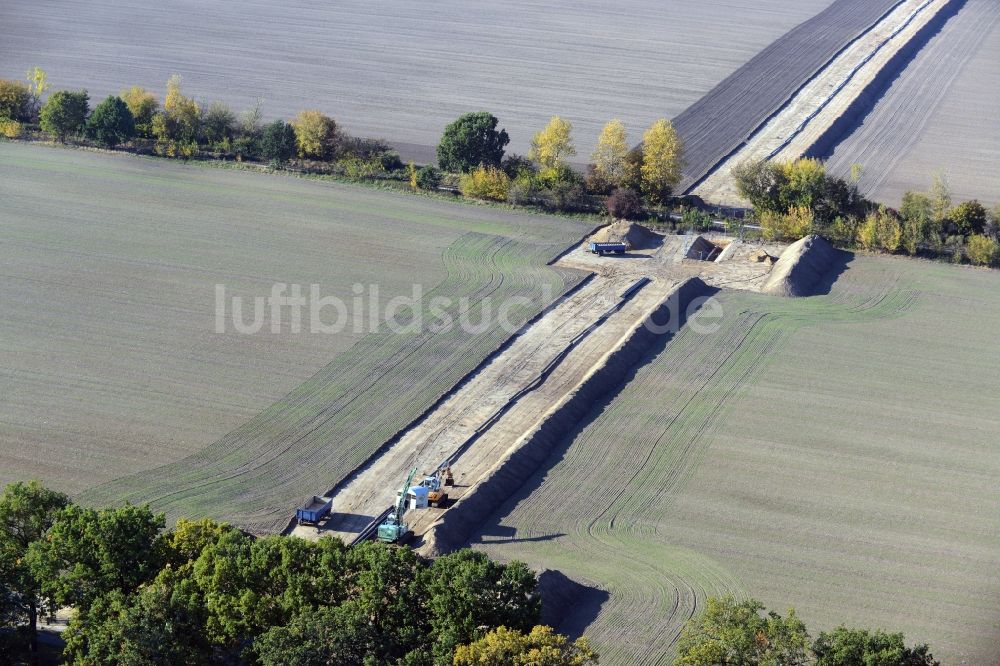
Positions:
{"x": 836, "y": 454}
{"x": 111, "y": 365}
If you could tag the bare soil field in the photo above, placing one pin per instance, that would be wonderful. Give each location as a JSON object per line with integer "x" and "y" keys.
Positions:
{"x": 111, "y": 363}
{"x": 403, "y": 70}
{"x": 819, "y": 106}
{"x": 835, "y": 453}
{"x": 718, "y": 123}
{"x": 938, "y": 113}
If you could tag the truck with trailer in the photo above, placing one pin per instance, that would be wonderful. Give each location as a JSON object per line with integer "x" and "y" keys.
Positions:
{"x": 608, "y": 248}
{"x": 314, "y": 511}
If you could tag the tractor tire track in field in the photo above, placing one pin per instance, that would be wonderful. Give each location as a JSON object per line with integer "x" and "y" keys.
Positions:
{"x": 598, "y": 511}
{"x": 718, "y": 124}
{"x": 882, "y": 138}
{"x": 322, "y": 430}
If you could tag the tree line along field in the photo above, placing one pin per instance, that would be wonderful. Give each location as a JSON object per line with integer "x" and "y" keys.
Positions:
{"x": 401, "y": 70}
{"x": 937, "y": 114}
{"x": 835, "y": 454}
{"x": 111, "y": 362}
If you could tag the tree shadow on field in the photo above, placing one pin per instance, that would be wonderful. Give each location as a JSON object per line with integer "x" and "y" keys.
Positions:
{"x": 854, "y": 116}
{"x": 567, "y": 605}
{"x": 505, "y": 534}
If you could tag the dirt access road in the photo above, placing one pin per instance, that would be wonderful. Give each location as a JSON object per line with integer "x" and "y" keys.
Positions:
{"x": 548, "y": 344}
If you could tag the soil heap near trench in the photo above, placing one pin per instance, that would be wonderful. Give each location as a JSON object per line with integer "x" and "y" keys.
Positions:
{"x": 801, "y": 267}
{"x": 635, "y": 235}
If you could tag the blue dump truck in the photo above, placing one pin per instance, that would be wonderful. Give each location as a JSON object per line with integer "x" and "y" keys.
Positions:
{"x": 608, "y": 248}
{"x": 314, "y": 511}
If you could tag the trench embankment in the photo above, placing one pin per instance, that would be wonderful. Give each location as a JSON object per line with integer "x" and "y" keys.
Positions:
{"x": 835, "y": 96}
{"x": 456, "y": 525}
{"x": 860, "y": 107}
{"x": 716, "y": 126}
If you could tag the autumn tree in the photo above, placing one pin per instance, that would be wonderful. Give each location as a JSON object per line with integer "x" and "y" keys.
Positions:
{"x": 552, "y": 146}
{"x": 880, "y": 231}
{"x": 940, "y": 196}
{"x": 969, "y": 217}
{"x": 789, "y": 226}
{"x": 143, "y": 106}
{"x": 624, "y": 204}
{"x": 15, "y": 100}
{"x": 27, "y": 511}
{"x": 38, "y": 85}
{"x": 218, "y": 125}
{"x": 490, "y": 183}
{"x": 471, "y": 141}
{"x": 862, "y": 647}
{"x": 64, "y": 113}
{"x": 983, "y": 250}
{"x": 111, "y": 123}
{"x": 315, "y": 135}
{"x": 663, "y": 159}
{"x": 539, "y": 647}
{"x": 804, "y": 182}
{"x": 741, "y": 632}
{"x": 609, "y": 157}
{"x": 176, "y": 128}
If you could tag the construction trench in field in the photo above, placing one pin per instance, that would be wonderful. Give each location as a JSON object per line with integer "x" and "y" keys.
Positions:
{"x": 813, "y": 117}
{"x": 504, "y": 419}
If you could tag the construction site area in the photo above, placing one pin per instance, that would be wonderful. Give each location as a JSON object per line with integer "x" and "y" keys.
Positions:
{"x": 431, "y": 485}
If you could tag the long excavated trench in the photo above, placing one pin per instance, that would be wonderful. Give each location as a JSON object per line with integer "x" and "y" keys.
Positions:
{"x": 503, "y": 421}
{"x": 810, "y": 119}
{"x": 502, "y": 400}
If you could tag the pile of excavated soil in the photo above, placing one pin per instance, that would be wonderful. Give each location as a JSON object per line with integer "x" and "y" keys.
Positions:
{"x": 801, "y": 267}
{"x": 635, "y": 235}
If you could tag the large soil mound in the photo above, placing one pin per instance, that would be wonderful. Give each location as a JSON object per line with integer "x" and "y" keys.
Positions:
{"x": 801, "y": 266}
{"x": 637, "y": 236}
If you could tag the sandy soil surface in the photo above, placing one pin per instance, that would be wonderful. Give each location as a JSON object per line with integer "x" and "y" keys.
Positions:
{"x": 822, "y": 101}
{"x": 373, "y": 488}
{"x": 938, "y": 113}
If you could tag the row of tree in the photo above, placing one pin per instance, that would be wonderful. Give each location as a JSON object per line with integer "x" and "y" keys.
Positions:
{"x": 473, "y": 147}
{"x": 205, "y": 593}
{"x": 181, "y": 127}
{"x": 793, "y": 199}
{"x": 470, "y": 155}
{"x": 745, "y": 633}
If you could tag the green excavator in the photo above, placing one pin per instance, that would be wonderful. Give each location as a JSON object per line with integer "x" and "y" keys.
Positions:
{"x": 394, "y": 529}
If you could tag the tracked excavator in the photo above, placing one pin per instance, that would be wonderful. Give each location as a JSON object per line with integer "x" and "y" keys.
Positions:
{"x": 393, "y": 530}
{"x": 436, "y": 483}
